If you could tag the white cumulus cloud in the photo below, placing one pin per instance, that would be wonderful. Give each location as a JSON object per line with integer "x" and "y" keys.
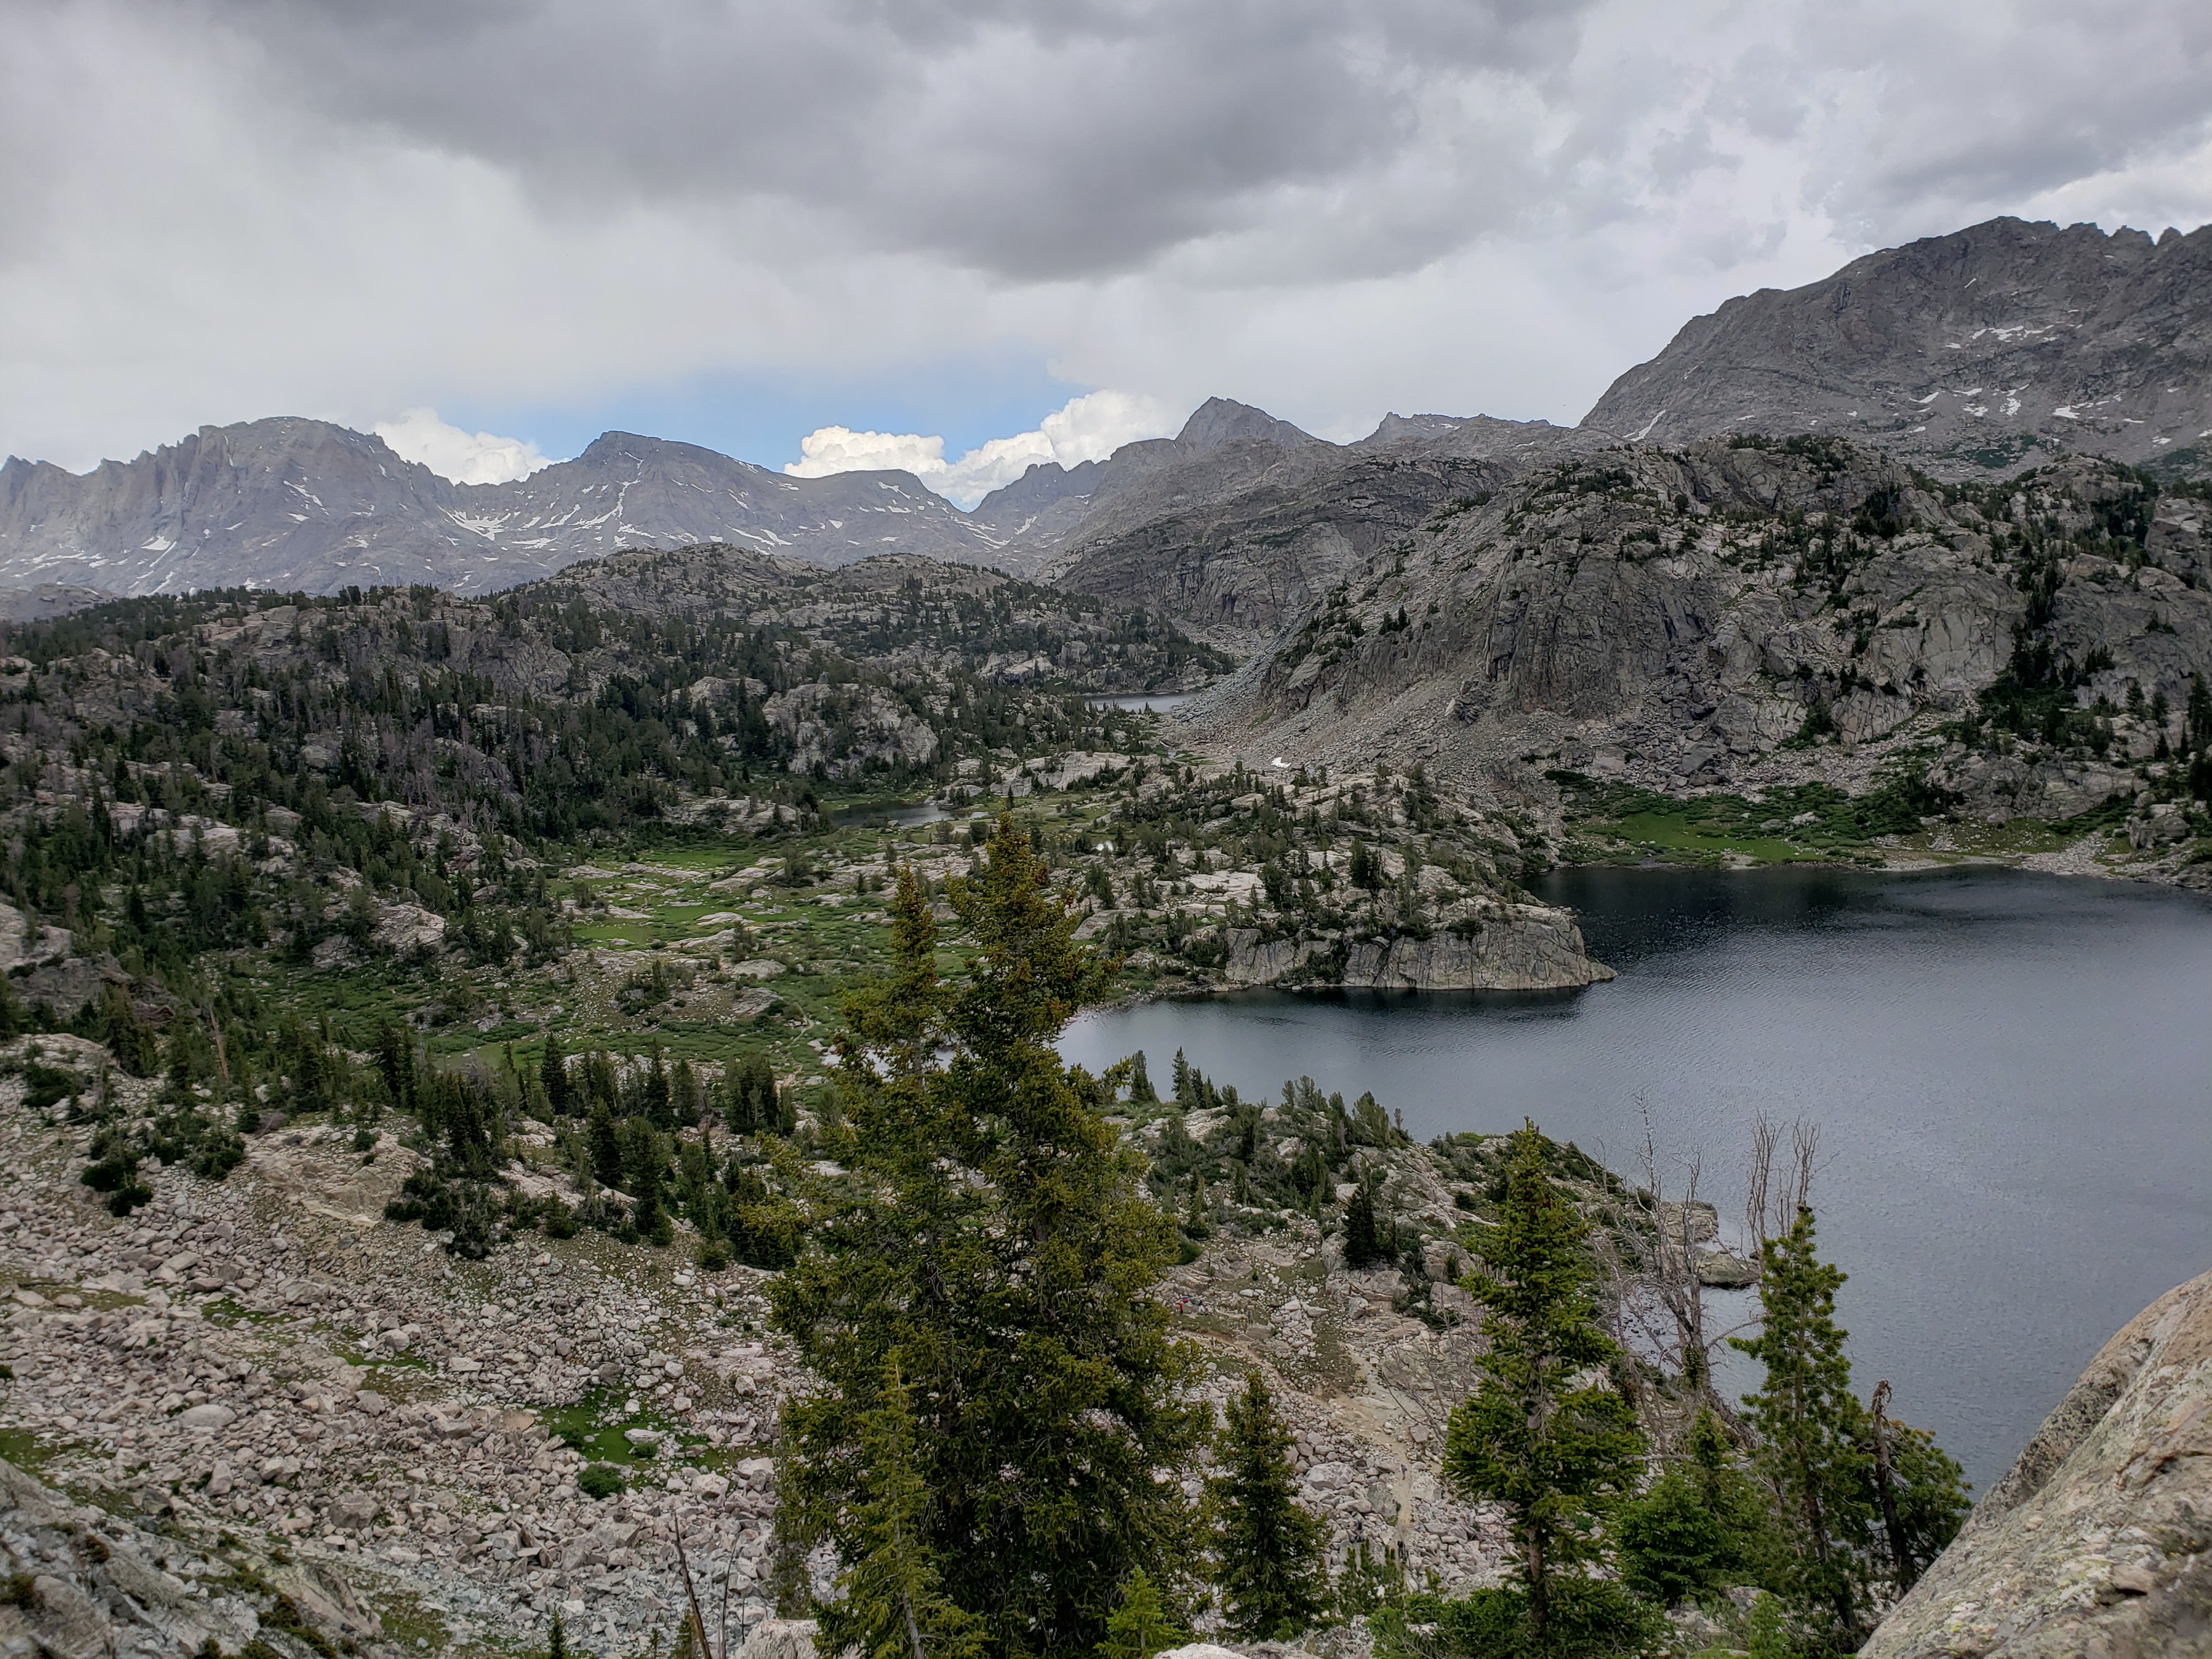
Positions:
{"x": 840, "y": 449}
{"x": 1085, "y": 428}
{"x": 472, "y": 457}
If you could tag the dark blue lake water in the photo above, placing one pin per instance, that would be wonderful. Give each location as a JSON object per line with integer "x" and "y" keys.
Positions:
{"x": 2012, "y": 1074}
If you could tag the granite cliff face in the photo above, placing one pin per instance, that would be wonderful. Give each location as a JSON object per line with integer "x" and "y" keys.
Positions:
{"x": 1747, "y": 613}
{"x": 1991, "y": 349}
{"x": 1495, "y": 946}
{"x": 298, "y": 505}
{"x": 2100, "y": 1540}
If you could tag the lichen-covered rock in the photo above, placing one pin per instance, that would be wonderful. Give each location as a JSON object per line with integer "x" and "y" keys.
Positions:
{"x": 2099, "y": 1541}
{"x": 781, "y": 1638}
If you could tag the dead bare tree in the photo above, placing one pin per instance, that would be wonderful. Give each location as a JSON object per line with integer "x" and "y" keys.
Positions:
{"x": 695, "y": 1645}
{"x": 1758, "y": 1179}
{"x": 1773, "y": 1197}
{"x": 1900, "y": 1548}
{"x": 1658, "y": 1306}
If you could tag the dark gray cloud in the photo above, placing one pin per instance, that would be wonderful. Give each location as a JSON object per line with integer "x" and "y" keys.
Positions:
{"x": 1025, "y": 141}
{"x": 213, "y": 210}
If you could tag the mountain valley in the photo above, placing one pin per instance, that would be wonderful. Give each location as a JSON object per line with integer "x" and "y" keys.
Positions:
{"x": 451, "y": 933}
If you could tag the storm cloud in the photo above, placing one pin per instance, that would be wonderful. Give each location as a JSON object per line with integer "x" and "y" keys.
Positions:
{"x": 211, "y": 212}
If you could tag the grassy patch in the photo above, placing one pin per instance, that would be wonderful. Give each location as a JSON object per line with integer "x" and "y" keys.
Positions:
{"x": 408, "y": 1621}
{"x": 1813, "y": 823}
{"x": 31, "y": 1452}
{"x": 594, "y": 1425}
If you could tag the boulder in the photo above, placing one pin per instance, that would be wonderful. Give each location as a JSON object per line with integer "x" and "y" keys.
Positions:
{"x": 2100, "y": 1539}
{"x": 353, "y": 1512}
{"x": 210, "y": 1416}
{"x": 1724, "y": 1270}
{"x": 781, "y": 1638}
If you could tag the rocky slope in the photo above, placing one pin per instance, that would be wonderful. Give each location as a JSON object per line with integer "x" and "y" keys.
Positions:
{"x": 2100, "y": 1540}
{"x": 1747, "y": 614}
{"x": 1994, "y": 348}
{"x": 303, "y": 1399}
{"x": 304, "y": 506}
{"x": 87, "y": 1583}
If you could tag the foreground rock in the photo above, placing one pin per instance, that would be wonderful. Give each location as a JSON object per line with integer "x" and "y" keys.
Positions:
{"x": 84, "y": 1583}
{"x": 2096, "y": 1542}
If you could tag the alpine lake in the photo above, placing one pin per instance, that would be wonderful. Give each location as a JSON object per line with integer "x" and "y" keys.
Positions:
{"x": 2011, "y": 1074}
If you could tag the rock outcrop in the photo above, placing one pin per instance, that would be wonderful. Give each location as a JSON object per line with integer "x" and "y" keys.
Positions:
{"x": 1747, "y": 612}
{"x": 1508, "y": 947}
{"x": 2099, "y": 1541}
{"x": 84, "y": 1583}
{"x": 1994, "y": 348}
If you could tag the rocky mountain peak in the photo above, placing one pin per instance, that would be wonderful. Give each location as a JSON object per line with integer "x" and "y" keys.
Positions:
{"x": 1990, "y": 349}
{"x": 1394, "y": 428}
{"x": 1220, "y": 421}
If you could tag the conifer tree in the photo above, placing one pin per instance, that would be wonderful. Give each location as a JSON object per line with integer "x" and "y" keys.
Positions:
{"x": 553, "y": 1074}
{"x": 1702, "y": 1524}
{"x": 894, "y": 1605}
{"x": 603, "y": 1140}
{"x": 1928, "y": 1494}
{"x": 1139, "y": 1626}
{"x": 1809, "y": 1424}
{"x": 993, "y": 1234}
{"x": 1267, "y": 1547}
{"x": 1363, "y": 1241}
{"x": 1558, "y": 1450}
{"x": 1140, "y": 1082}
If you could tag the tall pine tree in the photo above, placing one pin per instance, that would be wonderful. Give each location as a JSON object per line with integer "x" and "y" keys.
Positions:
{"x": 1557, "y": 1446}
{"x": 1810, "y": 1425}
{"x": 1267, "y": 1548}
{"x": 994, "y": 1235}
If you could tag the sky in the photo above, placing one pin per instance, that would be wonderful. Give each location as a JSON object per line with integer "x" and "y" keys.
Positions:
{"x": 964, "y": 235}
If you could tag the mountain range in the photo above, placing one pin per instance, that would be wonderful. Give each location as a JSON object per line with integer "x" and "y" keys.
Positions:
{"x": 1975, "y": 355}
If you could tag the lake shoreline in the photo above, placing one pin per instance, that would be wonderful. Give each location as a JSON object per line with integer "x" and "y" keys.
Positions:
{"x": 2072, "y": 861}
{"x": 2011, "y": 1070}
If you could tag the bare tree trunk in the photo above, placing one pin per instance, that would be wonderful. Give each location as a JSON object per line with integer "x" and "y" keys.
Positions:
{"x": 1756, "y": 1182}
{"x": 1539, "y": 1608}
{"x": 1900, "y": 1550}
{"x": 1804, "y": 1149}
{"x": 1770, "y": 1206}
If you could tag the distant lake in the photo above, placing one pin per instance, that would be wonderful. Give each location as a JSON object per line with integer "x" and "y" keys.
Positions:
{"x": 894, "y": 817}
{"x": 1158, "y": 702}
{"x": 2012, "y": 1073}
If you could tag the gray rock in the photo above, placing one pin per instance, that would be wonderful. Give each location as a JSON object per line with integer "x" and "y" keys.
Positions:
{"x": 208, "y": 1416}
{"x": 781, "y": 1638}
{"x": 68, "y": 1626}
{"x": 353, "y": 1512}
{"x": 2100, "y": 1539}
{"x": 1723, "y": 1270}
